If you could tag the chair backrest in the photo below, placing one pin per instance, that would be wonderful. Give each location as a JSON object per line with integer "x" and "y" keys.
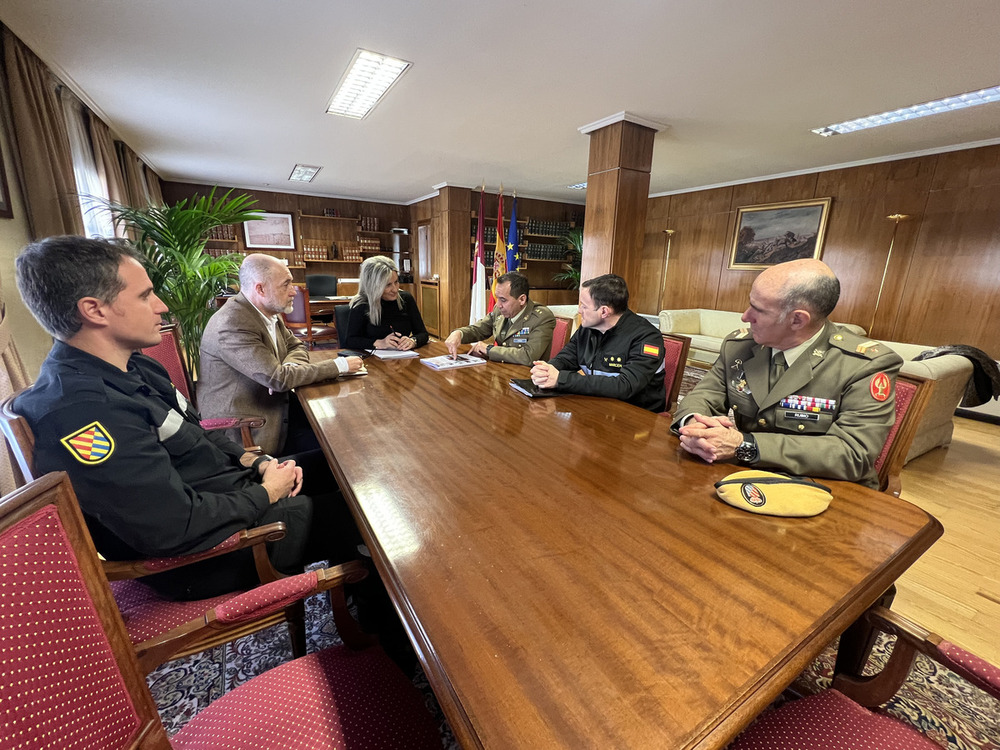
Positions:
{"x": 299, "y": 316}
{"x": 61, "y": 630}
{"x": 675, "y": 354}
{"x": 560, "y": 334}
{"x": 912, "y": 395}
{"x": 322, "y": 285}
{"x": 20, "y": 441}
{"x": 341, "y": 314}
{"x": 168, "y": 354}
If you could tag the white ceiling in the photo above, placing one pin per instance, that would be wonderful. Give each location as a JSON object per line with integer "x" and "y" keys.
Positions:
{"x": 234, "y": 91}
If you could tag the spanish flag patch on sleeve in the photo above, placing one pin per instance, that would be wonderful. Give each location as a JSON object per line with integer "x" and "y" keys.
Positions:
{"x": 91, "y": 445}
{"x": 651, "y": 349}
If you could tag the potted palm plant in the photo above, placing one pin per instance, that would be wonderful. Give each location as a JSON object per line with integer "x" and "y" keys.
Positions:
{"x": 571, "y": 269}
{"x": 172, "y": 241}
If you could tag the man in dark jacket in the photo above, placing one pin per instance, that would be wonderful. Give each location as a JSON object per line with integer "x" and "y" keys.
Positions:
{"x": 615, "y": 353}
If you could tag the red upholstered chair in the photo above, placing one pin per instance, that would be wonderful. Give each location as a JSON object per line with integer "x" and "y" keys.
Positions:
{"x": 912, "y": 396}
{"x": 149, "y": 617}
{"x": 300, "y": 322}
{"x": 675, "y": 354}
{"x": 69, "y": 678}
{"x": 836, "y": 719}
{"x": 168, "y": 354}
{"x": 560, "y": 334}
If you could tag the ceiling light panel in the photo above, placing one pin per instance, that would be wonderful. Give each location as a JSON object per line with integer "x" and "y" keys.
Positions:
{"x": 303, "y": 173}
{"x": 948, "y": 104}
{"x": 369, "y": 76}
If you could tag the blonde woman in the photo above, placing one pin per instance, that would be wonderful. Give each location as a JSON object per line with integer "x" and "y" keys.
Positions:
{"x": 382, "y": 316}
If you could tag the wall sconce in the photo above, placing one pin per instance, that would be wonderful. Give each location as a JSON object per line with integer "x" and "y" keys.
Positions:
{"x": 885, "y": 270}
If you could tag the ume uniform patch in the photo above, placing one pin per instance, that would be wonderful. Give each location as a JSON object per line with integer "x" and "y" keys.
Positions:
{"x": 651, "y": 350}
{"x": 91, "y": 445}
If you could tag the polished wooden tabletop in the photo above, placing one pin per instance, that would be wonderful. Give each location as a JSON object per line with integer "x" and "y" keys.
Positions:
{"x": 566, "y": 572}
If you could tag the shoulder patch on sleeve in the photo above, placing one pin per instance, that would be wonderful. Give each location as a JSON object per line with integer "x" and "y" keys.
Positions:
{"x": 90, "y": 445}
{"x": 651, "y": 350}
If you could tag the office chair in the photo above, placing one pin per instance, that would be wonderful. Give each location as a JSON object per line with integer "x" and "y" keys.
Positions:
{"x": 675, "y": 354}
{"x": 322, "y": 285}
{"x": 560, "y": 335}
{"x": 913, "y": 393}
{"x": 300, "y": 322}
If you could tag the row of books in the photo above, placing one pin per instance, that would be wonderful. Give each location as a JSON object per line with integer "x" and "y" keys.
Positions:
{"x": 541, "y": 251}
{"x": 224, "y": 232}
{"x": 369, "y": 223}
{"x": 490, "y": 235}
{"x": 369, "y": 244}
{"x": 548, "y": 228}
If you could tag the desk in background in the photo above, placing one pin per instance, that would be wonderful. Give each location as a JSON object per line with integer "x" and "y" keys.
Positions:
{"x": 565, "y": 571}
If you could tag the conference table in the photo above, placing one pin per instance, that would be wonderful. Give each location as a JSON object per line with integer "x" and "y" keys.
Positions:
{"x": 565, "y": 571}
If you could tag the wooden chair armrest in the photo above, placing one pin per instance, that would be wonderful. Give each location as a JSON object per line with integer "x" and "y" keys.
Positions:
{"x": 910, "y": 638}
{"x": 257, "y": 604}
{"x": 245, "y": 424}
{"x": 117, "y": 570}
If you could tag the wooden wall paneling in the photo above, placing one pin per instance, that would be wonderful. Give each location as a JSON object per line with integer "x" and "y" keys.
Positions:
{"x": 952, "y": 294}
{"x": 630, "y": 225}
{"x": 967, "y": 168}
{"x": 859, "y": 236}
{"x": 457, "y": 287}
{"x": 697, "y": 256}
{"x": 645, "y": 295}
{"x": 698, "y": 252}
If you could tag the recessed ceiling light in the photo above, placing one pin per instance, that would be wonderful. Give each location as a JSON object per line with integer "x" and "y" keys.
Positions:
{"x": 578, "y": 186}
{"x": 368, "y": 77}
{"x": 971, "y": 99}
{"x": 304, "y": 173}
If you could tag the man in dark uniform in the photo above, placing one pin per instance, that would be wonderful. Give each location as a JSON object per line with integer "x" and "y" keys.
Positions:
{"x": 807, "y": 396}
{"x": 151, "y": 482}
{"x": 615, "y": 353}
{"x": 520, "y": 329}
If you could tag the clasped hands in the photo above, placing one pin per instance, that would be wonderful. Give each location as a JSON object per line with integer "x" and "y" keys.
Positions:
{"x": 281, "y": 479}
{"x": 710, "y": 438}
{"x": 396, "y": 340}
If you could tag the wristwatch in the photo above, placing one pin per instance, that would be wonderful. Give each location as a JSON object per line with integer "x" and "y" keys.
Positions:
{"x": 488, "y": 347}
{"x": 747, "y": 452}
{"x": 259, "y": 460}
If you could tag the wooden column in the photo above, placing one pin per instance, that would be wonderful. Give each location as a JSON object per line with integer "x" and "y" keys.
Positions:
{"x": 621, "y": 153}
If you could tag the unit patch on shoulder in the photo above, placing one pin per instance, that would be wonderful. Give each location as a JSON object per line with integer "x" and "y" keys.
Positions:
{"x": 880, "y": 386}
{"x": 651, "y": 349}
{"x": 91, "y": 445}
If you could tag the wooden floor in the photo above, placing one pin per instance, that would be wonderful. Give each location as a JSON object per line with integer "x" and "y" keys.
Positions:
{"x": 954, "y": 589}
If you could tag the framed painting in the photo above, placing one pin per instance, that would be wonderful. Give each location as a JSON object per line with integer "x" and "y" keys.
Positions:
{"x": 271, "y": 231}
{"x": 777, "y": 232}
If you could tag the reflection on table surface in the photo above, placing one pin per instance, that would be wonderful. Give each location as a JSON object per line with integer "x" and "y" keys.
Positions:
{"x": 565, "y": 571}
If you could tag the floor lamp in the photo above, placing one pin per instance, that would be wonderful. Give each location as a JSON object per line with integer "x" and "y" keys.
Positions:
{"x": 885, "y": 270}
{"x": 666, "y": 262}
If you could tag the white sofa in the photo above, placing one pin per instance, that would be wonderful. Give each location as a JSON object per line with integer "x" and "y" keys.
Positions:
{"x": 951, "y": 373}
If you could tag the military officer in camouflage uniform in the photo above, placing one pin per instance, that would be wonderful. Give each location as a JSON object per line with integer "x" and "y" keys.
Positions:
{"x": 520, "y": 329}
{"x": 807, "y": 396}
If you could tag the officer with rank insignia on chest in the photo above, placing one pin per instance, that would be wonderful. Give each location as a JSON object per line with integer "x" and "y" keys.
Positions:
{"x": 807, "y": 396}
{"x": 520, "y": 329}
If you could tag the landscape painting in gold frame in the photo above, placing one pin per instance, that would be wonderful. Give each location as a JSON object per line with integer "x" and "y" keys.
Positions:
{"x": 777, "y": 232}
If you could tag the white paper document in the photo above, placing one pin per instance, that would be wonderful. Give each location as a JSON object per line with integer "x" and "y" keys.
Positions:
{"x": 447, "y": 362}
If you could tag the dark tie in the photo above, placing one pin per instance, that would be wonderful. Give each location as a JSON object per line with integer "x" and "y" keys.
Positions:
{"x": 777, "y": 367}
{"x": 504, "y": 327}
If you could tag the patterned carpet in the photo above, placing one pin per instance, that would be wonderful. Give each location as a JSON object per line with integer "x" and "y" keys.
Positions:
{"x": 950, "y": 711}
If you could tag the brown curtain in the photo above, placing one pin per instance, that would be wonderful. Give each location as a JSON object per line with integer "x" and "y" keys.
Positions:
{"x": 153, "y": 186}
{"x": 135, "y": 181}
{"x": 42, "y": 143}
{"x": 13, "y": 377}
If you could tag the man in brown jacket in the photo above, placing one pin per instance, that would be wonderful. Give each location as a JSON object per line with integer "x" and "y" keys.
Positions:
{"x": 250, "y": 360}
